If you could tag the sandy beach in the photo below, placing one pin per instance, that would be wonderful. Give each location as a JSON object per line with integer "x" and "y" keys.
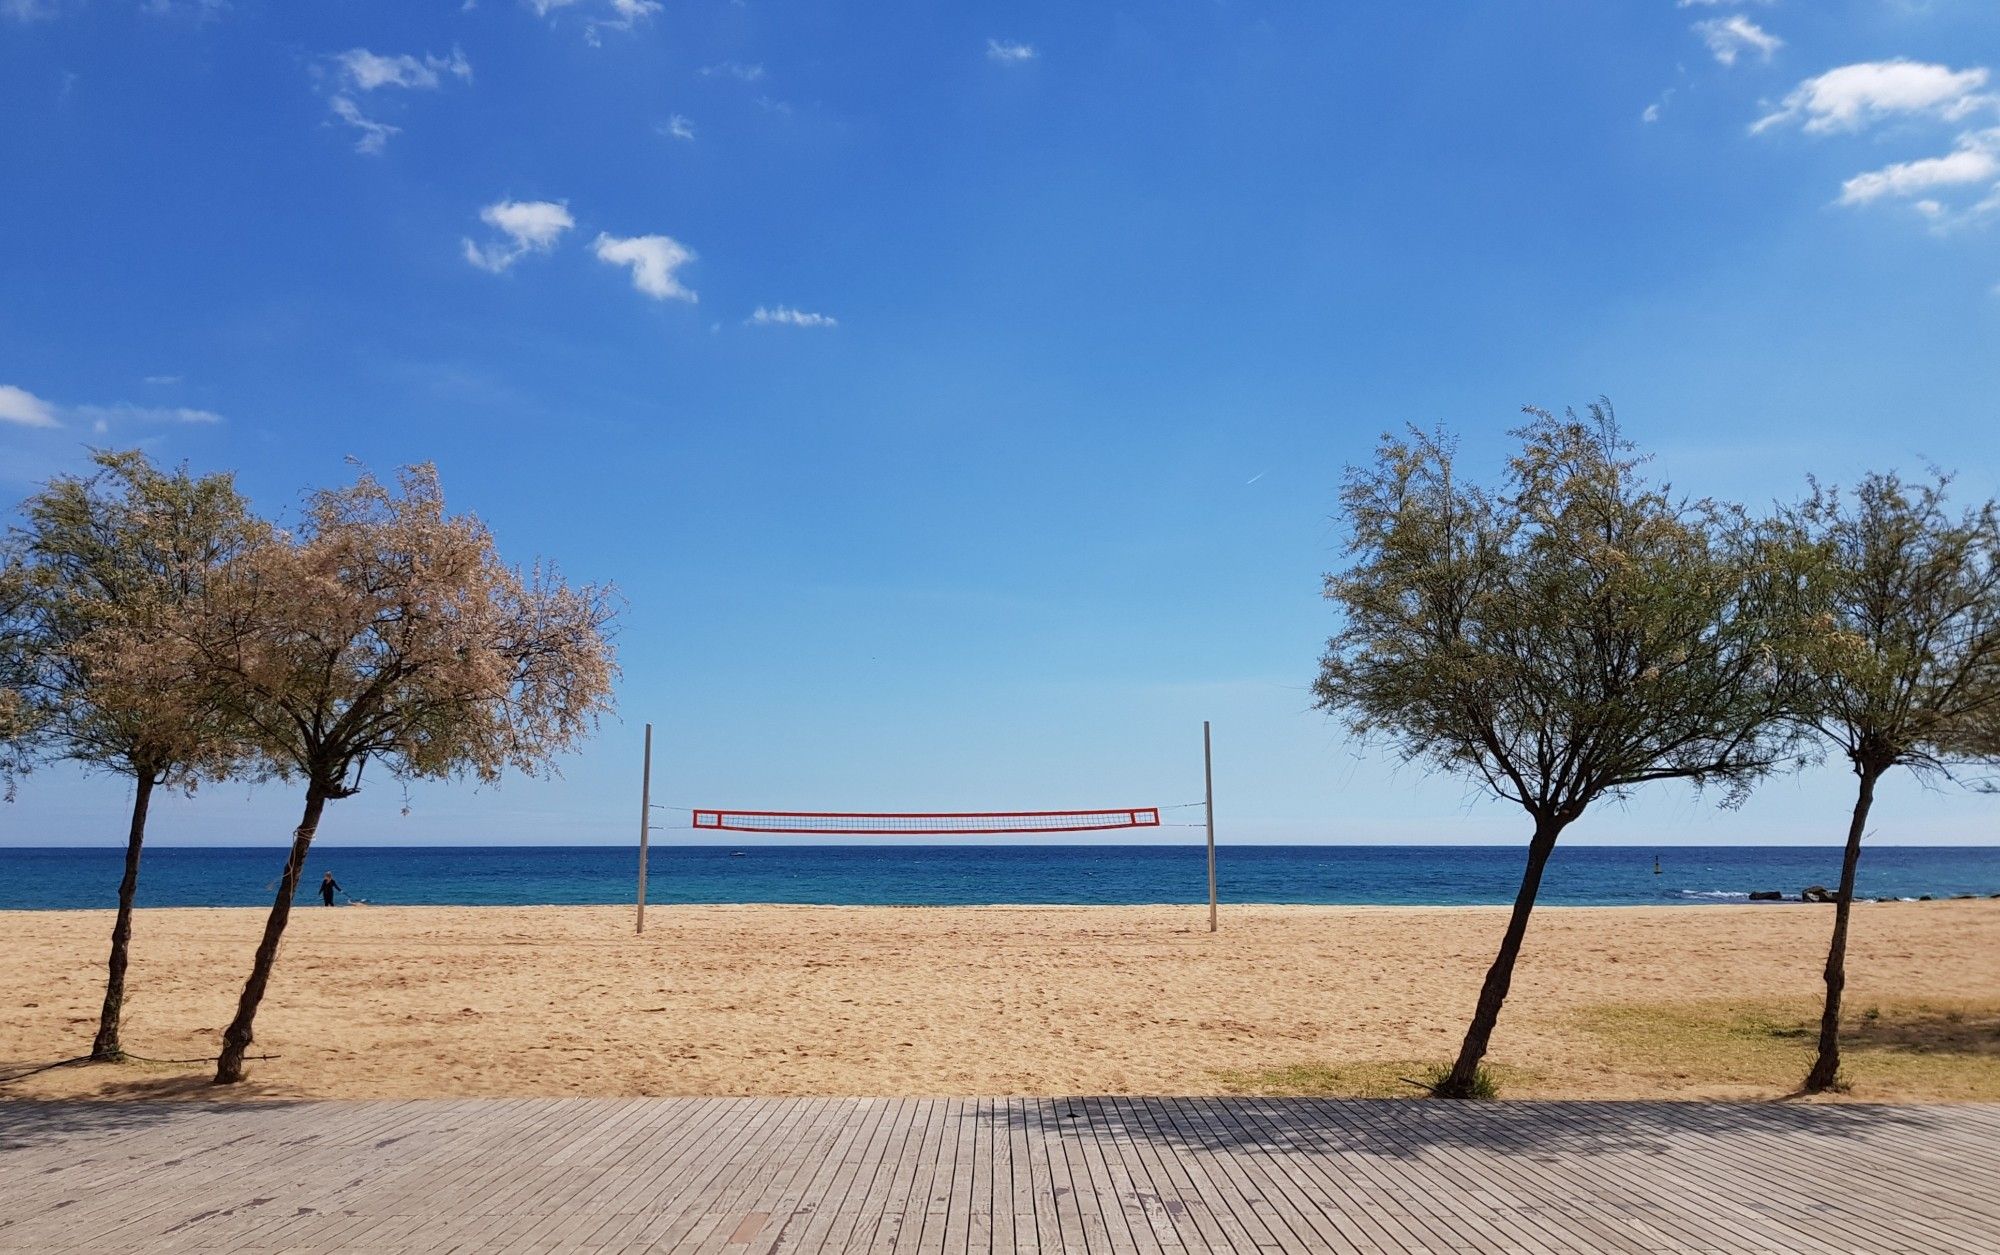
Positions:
{"x": 434, "y": 1001}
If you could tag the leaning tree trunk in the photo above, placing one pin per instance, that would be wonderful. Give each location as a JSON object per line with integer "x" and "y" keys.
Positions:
{"x": 106, "y": 1049}
{"x": 1826, "y": 1068}
{"x": 1458, "y": 1083}
{"x": 237, "y": 1037}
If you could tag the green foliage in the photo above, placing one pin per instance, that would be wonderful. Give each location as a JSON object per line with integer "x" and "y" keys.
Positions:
{"x": 1908, "y": 670}
{"x": 107, "y": 578}
{"x": 18, "y": 720}
{"x": 1575, "y": 633}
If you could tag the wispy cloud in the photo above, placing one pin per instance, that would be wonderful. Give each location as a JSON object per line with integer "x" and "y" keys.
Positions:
{"x": 1852, "y": 97}
{"x": 1730, "y": 37}
{"x": 786, "y": 316}
{"x": 374, "y": 135}
{"x": 653, "y": 260}
{"x": 733, "y": 69}
{"x": 612, "y": 15}
{"x": 359, "y": 71}
{"x": 24, "y": 409}
{"x": 676, "y": 127}
{"x": 1929, "y": 182}
{"x": 362, "y": 70}
{"x": 1974, "y": 161}
{"x": 530, "y": 226}
{"x": 197, "y": 11}
{"x": 27, "y": 10}
{"x": 102, "y": 416}
{"x": 1009, "y": 52}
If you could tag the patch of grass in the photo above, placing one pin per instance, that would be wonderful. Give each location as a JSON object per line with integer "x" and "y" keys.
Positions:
{"x": 1908, "y": 1050}
{"x": 1482, "y": 1086}
{"x": 1372, "y": 1078}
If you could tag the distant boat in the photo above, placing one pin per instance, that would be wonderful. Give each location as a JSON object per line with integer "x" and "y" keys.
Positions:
{"x": 736, "y": 854}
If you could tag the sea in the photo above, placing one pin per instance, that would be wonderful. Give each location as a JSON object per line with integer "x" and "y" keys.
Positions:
{"x": 967, "y": 875}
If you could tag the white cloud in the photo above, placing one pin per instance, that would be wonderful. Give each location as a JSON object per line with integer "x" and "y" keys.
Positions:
{"x": 626, "y": 14}
{"x": 197, "y": 11}
{"x": 1976, "y": 160}
{"x": 531, "y": 226}
{"x": 676, "y": 127}
{"x": 653, "y": 259}
{"x": 365, "y": 71}
{"x": 27, "y": 10}
{"x": 374, "y": 135}
{"x": 1652, "y": 113}
{"x": 25, "y": 409}
{"x": 732, "y": 69}
{"x": 786, "y": 316}
{"x": 102, "y": 416}
{"x": 163, "y": 380}
{"x": 1730, "y": 37}
{"x": 1852, "y": 96}
{"x": 1009, "y": 52}
{"x": 358, "y": 70}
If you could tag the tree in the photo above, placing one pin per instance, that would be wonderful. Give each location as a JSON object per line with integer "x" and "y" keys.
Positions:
{"x": 1571, "y": 637}
{"x": 389, "y": 630}
{"x": 17, "y": 722}
{"x": 113, "y": 569}
{"x": 1909, "y": 675}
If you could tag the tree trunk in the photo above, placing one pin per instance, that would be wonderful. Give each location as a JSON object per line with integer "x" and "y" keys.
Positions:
{"x": 106, "y": 1049}
{"x": 1459, "y": 1082}
{"x": 1826, "y": 1068}
{"x": 237, "y": 1037}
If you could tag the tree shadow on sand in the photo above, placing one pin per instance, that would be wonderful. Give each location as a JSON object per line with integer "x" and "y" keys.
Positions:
{"x": 120, "y": 1098}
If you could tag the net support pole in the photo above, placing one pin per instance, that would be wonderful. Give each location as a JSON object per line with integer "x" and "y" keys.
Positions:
{"x": 645, "y": 821}
{"x": 1208, "y": 807}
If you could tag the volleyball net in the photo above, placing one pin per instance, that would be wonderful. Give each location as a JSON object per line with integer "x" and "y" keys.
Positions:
{"x": 925, "y": 823}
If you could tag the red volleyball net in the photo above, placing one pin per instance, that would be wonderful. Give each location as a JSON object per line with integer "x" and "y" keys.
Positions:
{"x": 925, "y": 823}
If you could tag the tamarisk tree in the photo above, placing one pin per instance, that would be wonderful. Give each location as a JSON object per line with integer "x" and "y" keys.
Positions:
{"x": 1572, "y": 636}
{"x": 1910, "y": 674}
{"x": 389, "y": 630}
{"x": 17, "y": 723}
{"x": 113, "y": 572}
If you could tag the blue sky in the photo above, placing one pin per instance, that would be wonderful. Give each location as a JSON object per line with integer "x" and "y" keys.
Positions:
{"x": 958, "y": 393}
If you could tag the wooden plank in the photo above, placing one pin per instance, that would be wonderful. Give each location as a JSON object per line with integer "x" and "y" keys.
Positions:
{"x": 1098, "y": 1176}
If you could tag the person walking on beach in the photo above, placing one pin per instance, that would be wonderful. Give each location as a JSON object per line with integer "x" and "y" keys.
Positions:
{"x": 328, "y": 886}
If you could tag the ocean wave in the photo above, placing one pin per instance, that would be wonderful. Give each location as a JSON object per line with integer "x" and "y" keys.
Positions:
{"x": 1713, "y": 894}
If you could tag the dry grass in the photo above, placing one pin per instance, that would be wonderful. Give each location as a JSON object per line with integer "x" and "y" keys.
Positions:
{"x": 1375, "y": 1078}
{"x": 1913, "y": 1050}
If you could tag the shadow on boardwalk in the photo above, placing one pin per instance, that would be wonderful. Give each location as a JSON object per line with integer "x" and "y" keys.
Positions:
{"x": 1098, "y": 1175}
{"x": 1408, "y": 1127}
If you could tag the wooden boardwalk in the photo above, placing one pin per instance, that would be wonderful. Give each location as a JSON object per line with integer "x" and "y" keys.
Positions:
{"x": 1100, "y": 1176}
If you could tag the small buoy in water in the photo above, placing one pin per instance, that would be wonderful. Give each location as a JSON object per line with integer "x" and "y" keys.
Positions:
{"x": 1656, "y": 864}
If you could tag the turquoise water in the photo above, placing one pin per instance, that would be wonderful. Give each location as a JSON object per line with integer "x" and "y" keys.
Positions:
{"x": 976, "y": 874}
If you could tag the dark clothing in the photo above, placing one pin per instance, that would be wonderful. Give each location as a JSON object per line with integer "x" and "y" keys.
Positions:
{"x": 327, "y": 888}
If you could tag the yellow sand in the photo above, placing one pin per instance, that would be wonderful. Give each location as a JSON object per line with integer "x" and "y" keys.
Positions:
{"x": 433, "y": 1001}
